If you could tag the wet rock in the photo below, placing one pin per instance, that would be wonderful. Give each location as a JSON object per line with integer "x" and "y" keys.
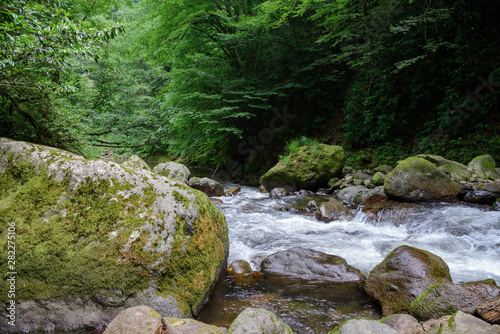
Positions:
{"x": 333, "y": 210}
{"x": 462, "y": 323}
{"x": 362, "y": 326}
{"x": 188, "y": 326}
{"x": 496, "y": 205}
{"x": 233, "y": 191}
{"x": 457, "y": 171}
{"x": 404, "y": 324}
{"x": 348, "y": 194}
{"x": 310, "y": 264}
{"x": 262, "y": 190}
{"x": 416, "y": 179}
{"x": 376, "y": 203}
{"x": 484, "y": 167}
{"x": 111, "y": 234}
{"x": 278, "y": 193}
{"x": 333, "y": 181}
{"x": 364, "y": 194}
{"x": 208, "y": 186}
{"x": 403, "y": 276}
{"x": 481, "y": 197}
{"x": 490, "y": 310}
{"x": 255, "y": 320}
{"x": 241, "y": 272}
{"x": 378, "y": 179}
{"x": 136, "y": 320}
{"x": 134, "y": 163}
{"x": 446, "y": 299}
{"x": 310, "y": 168}
{"x": 173, "y": 170}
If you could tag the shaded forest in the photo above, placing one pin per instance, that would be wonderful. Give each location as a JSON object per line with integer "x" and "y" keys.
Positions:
{"x": 217, "y": 82}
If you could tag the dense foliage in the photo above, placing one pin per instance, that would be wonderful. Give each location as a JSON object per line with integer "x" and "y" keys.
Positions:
{"x": 220, "y": 80}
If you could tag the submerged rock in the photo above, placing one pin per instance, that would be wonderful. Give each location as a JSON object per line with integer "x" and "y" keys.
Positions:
{"x": 446, "y": 299}
{"x": 173, "y": 170}
{"x": 310, "y": 264}
{"x": 416, "y": 179}
{"x": 208, "y": 186}
{"x": 484, "y": 167}
{"x": 256, "y": 320}
{"x": 134, "y": 163}
{"x": 138, "y": 320}
{"x": 103, "y": 238}
{"x": 310, "y": 168}
{"x": 403, "y": 276}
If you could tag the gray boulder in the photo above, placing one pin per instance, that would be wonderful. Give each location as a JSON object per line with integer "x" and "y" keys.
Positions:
{"x": 136, "y": 320}
{"x": 258, "y": 321}
{"x": 416, "y": 179}
{"x": 134, "y": 163}
{"x": 484, "y": 167}
{"x": 404, "y": 324}
{"x": 348, "y": 194}
{"x": 310, "y": 264}
{"x": 332, "y": 210}
{"x": 188, "y": 326}
{"x": 362, "y": 326}
{"x": 103, "y": 239}
{"x": 278, "y": 193}
{"x": 462, "y": 323}
{"x": 446, "y": 299}
{"x": 173, "y": 170}
{"x": 208, "y": 186}
{"x": 403, "y": 276}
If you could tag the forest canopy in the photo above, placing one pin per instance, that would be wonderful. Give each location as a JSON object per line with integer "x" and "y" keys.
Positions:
{"x": 214, "y": 81}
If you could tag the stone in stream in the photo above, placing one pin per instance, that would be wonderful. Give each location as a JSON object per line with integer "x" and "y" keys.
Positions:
{"x": 445, "y": 299}
{"x": 208, "y": 186}
{"x": 457, "y": 171}
{"x": 484, "y": 167}
{"x": 278, "y": 193}
{"x": 363, "y": 326}
{"x": 136, "y": 320}
{"x": 134, "y": 162}
{"x": 188, "y": 326}
{"x": 460, "y": 323}
{"x": 348, "y": 194}
{"x": 386, "y": 169}
{"x": 310, "y": 168}
{"x": 416, "y": 179}
{"x": 310, "y": 264}
{"x": 241, "y": 272}
{"x": 404, "y": 324}
{"x": 403, "y": 276}
{"x": 233, "y": 191}
{"x": 255, "y": 320}
{"x": 379, "y": 179}
{"x": 332, "y": 210}
{"x": 481, "y": 197}
{"x": 490, "y": 310}
{"x": 173, "y": 170}
{"x": 95, "y": 238}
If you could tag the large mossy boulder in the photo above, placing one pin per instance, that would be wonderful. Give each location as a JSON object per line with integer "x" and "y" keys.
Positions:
{"x": 403, "y": 276}
{"x": 311, "y": 167}
{"x": 94, "y": 238}
{"x": 173, "y": 170}
{"x": 257, "y": 320}
{"x": 457, "y": 171}
{"x": 484, "y": 167}
{"x": 446, "y": 299}
{"x": 135, "y": 162}
{"x": 416, "y": 179}
{"x": 310, "y": 264}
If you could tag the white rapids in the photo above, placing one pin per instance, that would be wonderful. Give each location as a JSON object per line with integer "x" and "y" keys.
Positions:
{"x": 467, "y": 238}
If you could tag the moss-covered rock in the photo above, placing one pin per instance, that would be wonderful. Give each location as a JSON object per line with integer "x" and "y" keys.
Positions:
{"x": 446, "y": 299}
{"x": 173, "y": 170}
{"x": 98, "y": 233}
{"x": 457, "y": 171}
{"x": 378, "y": 179}
{"x": 417, "y": 179}
{"x": 134, "y": 162}
{"x": 311, "y": 167}
{"x": 403, "y": 276}
{"x": 484, "y": 167}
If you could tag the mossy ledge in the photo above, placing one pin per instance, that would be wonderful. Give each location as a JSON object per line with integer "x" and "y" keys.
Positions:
{"x": 91, "y": 231}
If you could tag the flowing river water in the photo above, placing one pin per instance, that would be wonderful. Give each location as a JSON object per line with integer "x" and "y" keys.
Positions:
{"x": 466, "y": 237}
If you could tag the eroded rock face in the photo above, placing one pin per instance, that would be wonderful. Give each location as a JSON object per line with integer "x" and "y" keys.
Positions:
{"x": 256, "y": 320}
{"x": 94, "y": 238}
{"x": 173, "y": 170}
{"x": 403, "y": 276}
{"x": 207, "y": 185}
{"x": 310, "y": 264}
{"x": 138, "y": 320}
{"x": 446, "y": 299}
{"x": 310, "y": 168}
{"x": 416, "y": 179}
